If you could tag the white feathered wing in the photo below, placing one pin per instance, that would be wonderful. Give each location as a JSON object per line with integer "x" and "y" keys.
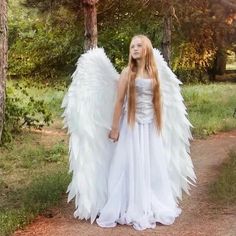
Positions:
{"x": 88, "y": 109}
{"x": 176, "y": 130}
{"x": 89, "y": 105}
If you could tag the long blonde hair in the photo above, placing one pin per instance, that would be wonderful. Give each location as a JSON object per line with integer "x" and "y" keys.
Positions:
{"x": 151, "y": 68}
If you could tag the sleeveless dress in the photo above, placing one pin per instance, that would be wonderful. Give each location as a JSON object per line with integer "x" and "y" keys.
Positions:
{"x": 139, "y": 190}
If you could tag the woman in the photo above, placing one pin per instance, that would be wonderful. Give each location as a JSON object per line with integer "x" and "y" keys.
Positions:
{"x": 139, "y": 191}
{"x": 138, "y": 178}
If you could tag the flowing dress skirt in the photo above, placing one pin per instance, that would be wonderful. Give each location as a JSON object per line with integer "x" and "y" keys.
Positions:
{"x": 139, "y": 191}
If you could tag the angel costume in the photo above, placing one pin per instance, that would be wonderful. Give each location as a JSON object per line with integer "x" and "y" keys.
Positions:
{"x": 139, "y": 179}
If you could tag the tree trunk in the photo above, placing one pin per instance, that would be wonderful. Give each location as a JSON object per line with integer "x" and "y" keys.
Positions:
{"x": 90, "y": 23}
{"x": 220, "y": 61}
{"x": 166, "y": 40}
{"x": 3, "y": 61}
{"x": 219, "y": 65}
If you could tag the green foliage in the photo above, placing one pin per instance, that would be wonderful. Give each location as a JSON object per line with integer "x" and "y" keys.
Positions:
{"x": 33, "y": 177}
{"x": 23, "y": 110}
{"x": 32, "y": 156}
{"x": 46, "y": 38}
{"x": 56, "y": 153}
{"x": 224, "y": 188}
{"x": 47, "y": 55}
{"x": 116, "y": 40}
{"x": 210, "y": 107}
{"x": 43, "y": 192}
{"x": 45, "y": 45}
{"x": 190, "y": 65}
{"x": 51, "y": 95}
{"x": 42, "y": 48}
{"x": 10, "y": 220}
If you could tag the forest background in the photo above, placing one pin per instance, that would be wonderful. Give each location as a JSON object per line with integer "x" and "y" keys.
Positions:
{"x": 45, "y": 40}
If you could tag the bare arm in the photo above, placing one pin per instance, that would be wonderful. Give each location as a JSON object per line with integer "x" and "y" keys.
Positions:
{"x": 121, "y": 91}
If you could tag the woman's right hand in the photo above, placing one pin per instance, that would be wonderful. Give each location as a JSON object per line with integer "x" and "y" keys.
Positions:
{"x": 114, "y": 135}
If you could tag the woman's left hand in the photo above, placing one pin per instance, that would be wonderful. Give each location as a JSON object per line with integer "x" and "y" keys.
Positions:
{"x": 114, "y": 135}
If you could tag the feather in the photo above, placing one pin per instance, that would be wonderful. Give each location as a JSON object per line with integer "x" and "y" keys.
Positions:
{"x": 88, "y": 109}
{"x": 176, "y": 130}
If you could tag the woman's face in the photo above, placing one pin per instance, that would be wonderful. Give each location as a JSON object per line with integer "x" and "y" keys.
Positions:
{"x": 136, "y": 48}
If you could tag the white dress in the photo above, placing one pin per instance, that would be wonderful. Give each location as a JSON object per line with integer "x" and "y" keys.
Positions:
{"x": 139, "y": 187}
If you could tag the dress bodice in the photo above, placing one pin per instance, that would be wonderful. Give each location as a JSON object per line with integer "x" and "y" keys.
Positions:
{"x": 144, "y": 106}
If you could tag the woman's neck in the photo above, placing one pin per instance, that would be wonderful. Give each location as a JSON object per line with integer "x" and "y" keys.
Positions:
{"x": 141, "y": 68}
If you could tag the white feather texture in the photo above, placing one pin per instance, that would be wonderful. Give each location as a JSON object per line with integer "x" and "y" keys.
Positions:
{"x": 176, "y": 130}
{"x": 88, "y": 110}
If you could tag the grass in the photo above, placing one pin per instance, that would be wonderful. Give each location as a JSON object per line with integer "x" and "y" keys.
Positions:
{"x": 33, "y": 168}
{"x": 34, "y": 177}
{"x": 223, "y": 190}
{"x": 231, "y": 66}
{"x": 210, "y": 107}
{"x": 43, "y": 192}
{"x": 52, "y": 96}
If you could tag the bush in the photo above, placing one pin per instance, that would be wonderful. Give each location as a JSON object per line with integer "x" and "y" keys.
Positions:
{"x": 42, "y": 48}
{"x": 23, "y": 110}
{"x": 224, "y": 188}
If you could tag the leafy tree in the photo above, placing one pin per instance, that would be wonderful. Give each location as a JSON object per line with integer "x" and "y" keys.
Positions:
{"x": 43, "y": 48}
{"x": 191, "y": 32}
{"x": 204, "y": 27}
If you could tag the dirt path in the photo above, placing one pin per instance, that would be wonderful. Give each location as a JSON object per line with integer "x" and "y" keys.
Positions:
{"x": 199, "y": 217}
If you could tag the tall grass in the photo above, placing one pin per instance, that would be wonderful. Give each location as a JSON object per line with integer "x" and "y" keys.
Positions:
{"x": 43, "y": 192}
{"x": 223, "y": 190}
{"x": 211, "y": 107}
{"x": 34, "y": 177}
